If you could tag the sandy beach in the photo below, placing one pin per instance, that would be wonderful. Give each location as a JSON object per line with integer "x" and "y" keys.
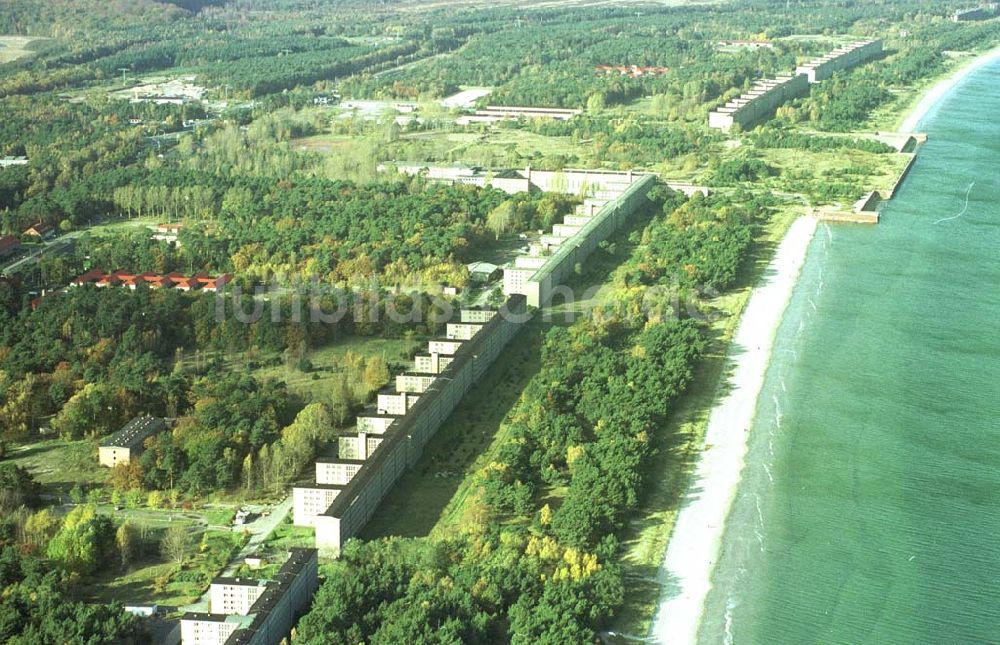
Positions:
{"x": 933, "y": 97}
{"x": 694, "y": 546}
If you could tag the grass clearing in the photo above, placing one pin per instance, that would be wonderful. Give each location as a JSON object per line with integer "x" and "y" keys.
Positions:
{"x": 14, "y": 47}
{"x": 60, "y": 464}
{"x": 431, "y": 497}
{"x": 153, "y": 581}
{"x": 327, "y": 362}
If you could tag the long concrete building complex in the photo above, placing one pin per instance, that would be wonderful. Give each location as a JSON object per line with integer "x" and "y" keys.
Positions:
{"x": 391, "y": 437}
{"x": 255, "y": 612}
{"x": 758, "y": 104}
{"x": 845, "y": 57}
{"x": 766, "y": 96}
{"x": 554, "y": 259}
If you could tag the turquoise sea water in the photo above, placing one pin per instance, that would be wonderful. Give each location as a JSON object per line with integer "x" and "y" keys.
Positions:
{"x": 869, "y": 510}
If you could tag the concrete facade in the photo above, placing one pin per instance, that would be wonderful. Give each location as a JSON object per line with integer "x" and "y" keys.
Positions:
{"x": 234, "y": 595}
{"x": 206, "y": 629}
{"x": 396, "y": 403}
{"x": 759, "y": 104}
{"x": 286, "y": 598}
{"x": 411, "y": 382}
{"x": 448, "y": 347}
{"x": 478, "y": 316}
{"x": 127, "y": 443}
{"x": 372, "y": 422}
{"x": 337, "y": 471}
{"x": 405, "y": 439}
{"x": 846, "y": 57}
{"x": 358, "y": 446}
{"x": 309, "y": 501}
{"x": 538, "y": 285}
{"x": 461, "y": 331}
{"x": 430, "y": 363}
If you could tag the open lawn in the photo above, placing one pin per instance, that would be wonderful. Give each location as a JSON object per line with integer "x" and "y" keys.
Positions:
{"x": 153, "y": 581}
{"x": 327, "y": 361}
{"x": 14, "y": 47}
{"x": 59, "y": 464}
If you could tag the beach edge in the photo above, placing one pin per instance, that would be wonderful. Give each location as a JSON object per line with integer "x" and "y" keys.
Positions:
{"x": 696, "y": 540}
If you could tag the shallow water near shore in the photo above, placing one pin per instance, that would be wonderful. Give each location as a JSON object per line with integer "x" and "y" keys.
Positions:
{"x": 869, "y": 509}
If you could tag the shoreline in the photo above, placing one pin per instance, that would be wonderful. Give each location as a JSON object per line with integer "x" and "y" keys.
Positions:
{"x": 931, "y": 98}
{"x": 695, "y": 542}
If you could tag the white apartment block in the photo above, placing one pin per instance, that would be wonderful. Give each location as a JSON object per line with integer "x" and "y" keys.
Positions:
{"x": 337, "y": 471}
{"x": 430, "y": 363}
{"x": 234, "y": 595}
{"x": 310, "y": 501}
{"x": 461, "y": 331}
{"x": 358, "y": 447}
{"x": 207, "y": 629}
{"x": 444, "y": 346}
{"x": 476, "y": 315}
{"x": 410, "y": 382}
{"x": 397, "y": 403}
{"x": 374, "y": 423}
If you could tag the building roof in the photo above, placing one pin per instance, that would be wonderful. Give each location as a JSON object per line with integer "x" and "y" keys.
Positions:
{"x": 482, "y": 267}
{"x": 203, "y": 616}
{"x": 40, "y": 228}
{"x": 135, "y": 432}
{"x": 335, "y": 460}
{"x": 240, "y": 582}
{"x": 9, "y": 242}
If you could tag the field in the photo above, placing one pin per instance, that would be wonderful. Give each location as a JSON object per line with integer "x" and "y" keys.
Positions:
{"x": 59, "y": 464}
{"x": 152, "y": 581}
{"x": 327, "y": 362}
{"x": 14, "y": 47}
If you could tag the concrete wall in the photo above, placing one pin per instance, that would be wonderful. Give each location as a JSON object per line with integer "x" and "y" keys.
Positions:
{"x": 414, "y": 382}
{"x": 539, "y": 288}
{"x": 337, "y": 471}
{"x": 405, "y": 440}
{"x": 430, "y": 363}
{"x": 845, "y": 57}
{"x": 759, "y": 104}
{"x": 442, "y": 346}
{"x": 111, "y": 456}
{"x": 396, "y": 403}
{"x": 228, "y": 598}
{"x": 374, "y": 423}
{"x": 206, "y": 632}
{"x": 285, "y": 600}
{"x": 310, "y": 501}
{"x": 478, "y": 316}
{"x": 461, "y": 331}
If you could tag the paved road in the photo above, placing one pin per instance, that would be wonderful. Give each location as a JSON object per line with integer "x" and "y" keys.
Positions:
{"x": 47, "y": 246}
{"x": 259, "y": 530}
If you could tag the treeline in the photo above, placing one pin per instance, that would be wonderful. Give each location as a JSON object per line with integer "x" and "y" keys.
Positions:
{"x": 536, "y": 562}
{"x": 776, "y": 137}
{"x": 35, "y": 606}
{"x": 696, "y": 245}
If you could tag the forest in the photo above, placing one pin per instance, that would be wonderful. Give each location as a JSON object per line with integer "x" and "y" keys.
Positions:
{"x": 271, "y": 181}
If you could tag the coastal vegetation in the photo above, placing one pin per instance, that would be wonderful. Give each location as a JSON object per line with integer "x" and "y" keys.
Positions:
{"x": 227, "y": 121}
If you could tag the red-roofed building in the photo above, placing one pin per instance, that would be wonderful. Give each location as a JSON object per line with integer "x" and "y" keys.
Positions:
{"x": 89, "y": 277}
{"x": 215, "y": 284}
{"x": 8, "y": 244}
{"x": 174, "y": 280}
